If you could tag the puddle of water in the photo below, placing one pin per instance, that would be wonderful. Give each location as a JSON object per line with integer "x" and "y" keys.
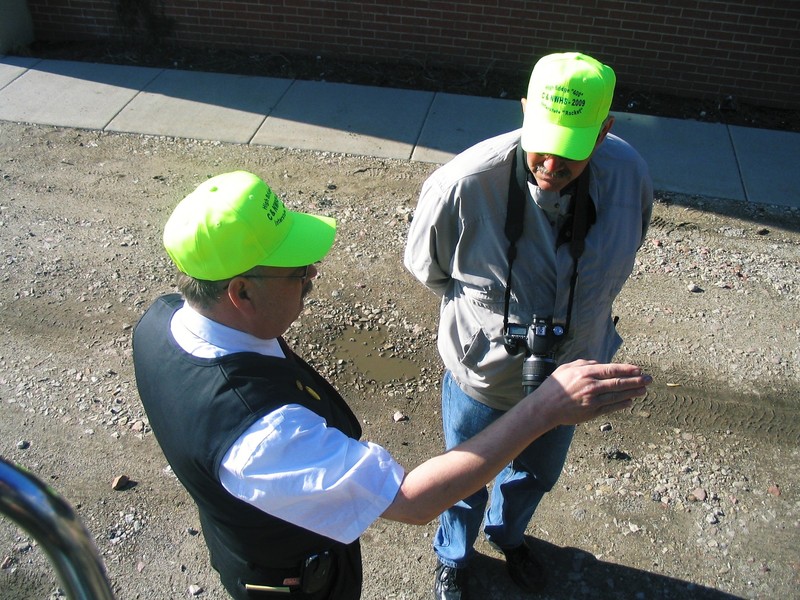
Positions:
{"x": 370, "y": 354}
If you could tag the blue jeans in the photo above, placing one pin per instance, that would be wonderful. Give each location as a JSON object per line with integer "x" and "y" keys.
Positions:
{"x": 517, "y": 490}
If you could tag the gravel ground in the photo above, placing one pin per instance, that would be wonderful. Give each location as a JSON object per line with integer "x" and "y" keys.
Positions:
{"x": 692, "y": 493}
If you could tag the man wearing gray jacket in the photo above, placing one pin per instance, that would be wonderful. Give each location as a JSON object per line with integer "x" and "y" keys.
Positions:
{"x": 528, "y": 238}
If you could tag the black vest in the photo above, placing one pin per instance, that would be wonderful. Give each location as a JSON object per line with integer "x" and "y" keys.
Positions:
{"x": 197, "y": 408}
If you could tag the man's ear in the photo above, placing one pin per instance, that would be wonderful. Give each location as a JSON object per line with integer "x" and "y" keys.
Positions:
{"x": 237, "y": 293}
{"x": 606, "y": 127}
{"x": 604, "y": 130}
{"x": 524, "y": 101}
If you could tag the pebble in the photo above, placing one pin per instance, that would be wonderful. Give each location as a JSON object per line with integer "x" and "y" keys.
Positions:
{"x": 698, "y": 495}
{"x": 119, "y": 483}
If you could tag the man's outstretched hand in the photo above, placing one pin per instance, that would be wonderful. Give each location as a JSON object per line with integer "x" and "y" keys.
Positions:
{"x": 582, "y": 390}
{"x": 574, "y": 393}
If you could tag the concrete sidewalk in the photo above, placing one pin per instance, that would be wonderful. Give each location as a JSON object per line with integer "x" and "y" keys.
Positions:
{"x": 723, "y": 161}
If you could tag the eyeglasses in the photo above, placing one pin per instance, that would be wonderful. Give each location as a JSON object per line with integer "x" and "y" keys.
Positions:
{"x": 303, "y": 276}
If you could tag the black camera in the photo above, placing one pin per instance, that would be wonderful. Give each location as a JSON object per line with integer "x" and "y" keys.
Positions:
{"x": 539, "y": 340}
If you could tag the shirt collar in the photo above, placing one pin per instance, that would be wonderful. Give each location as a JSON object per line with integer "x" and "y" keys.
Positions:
{"x": 204, "y": 338}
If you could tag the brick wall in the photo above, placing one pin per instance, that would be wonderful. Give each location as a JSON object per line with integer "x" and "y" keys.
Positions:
{"x": 702, "y": 48}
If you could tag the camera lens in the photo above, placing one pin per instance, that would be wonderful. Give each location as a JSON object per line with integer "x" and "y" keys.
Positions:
{"x": 535, "y": 369}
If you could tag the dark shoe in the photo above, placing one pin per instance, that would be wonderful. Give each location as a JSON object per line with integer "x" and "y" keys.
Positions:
{"x": 450, "y": 583}
{"x": 524, "y": 568}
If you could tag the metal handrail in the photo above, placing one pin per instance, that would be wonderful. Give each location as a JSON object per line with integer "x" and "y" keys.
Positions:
{"x": 40, "y": 511}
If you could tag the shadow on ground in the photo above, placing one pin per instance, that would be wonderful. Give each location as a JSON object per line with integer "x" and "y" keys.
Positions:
{"x": 576, "y": 574}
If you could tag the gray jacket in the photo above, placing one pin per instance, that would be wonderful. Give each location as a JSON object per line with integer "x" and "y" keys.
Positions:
{"x": 457, "y": 247}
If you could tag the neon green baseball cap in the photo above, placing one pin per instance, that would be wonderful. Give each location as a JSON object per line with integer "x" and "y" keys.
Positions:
{"x": 234, "y": 222}
{"x": 569, "y": 96}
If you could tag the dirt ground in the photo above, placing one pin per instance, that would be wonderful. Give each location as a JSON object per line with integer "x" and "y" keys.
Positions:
{"x": 692, "y": 493}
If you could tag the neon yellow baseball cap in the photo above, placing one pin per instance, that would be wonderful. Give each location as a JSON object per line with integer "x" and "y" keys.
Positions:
{"x": 234, "y": 222}
{"x": 569, "y": 96}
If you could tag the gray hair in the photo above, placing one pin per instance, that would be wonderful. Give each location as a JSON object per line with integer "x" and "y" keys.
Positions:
{"x": 201, "y": 293}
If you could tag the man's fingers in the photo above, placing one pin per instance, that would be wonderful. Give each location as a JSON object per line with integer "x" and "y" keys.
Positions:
{"x": 610, "y": 371}
{"x": 622, "y": 383}
{"x": 622, "y": 397}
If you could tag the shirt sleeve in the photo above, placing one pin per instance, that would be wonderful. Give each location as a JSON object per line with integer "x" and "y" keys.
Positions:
{"x": 291, "y": 465}
{"x": 432, "y": 238}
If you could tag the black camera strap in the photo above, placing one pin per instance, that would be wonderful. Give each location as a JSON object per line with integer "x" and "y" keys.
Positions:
{"x": 582, "y": 216}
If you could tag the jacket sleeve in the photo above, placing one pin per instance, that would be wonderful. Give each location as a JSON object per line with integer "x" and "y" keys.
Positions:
{"x": 433, "y": 236}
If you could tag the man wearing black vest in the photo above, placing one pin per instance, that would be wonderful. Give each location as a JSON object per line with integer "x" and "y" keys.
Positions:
{"x": 527, "y": 238}
{"x": 268, "y": 450}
